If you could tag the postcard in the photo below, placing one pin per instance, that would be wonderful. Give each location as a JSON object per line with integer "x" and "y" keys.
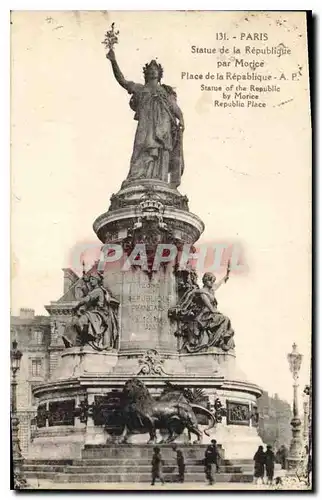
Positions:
{"x": 161, "y": 174}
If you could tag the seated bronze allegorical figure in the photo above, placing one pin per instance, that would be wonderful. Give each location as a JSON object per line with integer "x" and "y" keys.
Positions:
{"x": 200, "y": 324}
{"x": 95, "y": 318}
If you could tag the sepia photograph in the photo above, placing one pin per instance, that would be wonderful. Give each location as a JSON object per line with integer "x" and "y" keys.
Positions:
{"x": 161, "y": 250}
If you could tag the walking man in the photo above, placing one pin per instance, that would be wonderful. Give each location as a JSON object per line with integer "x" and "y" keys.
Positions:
{"x": 180, "y": 462}
{"x": 157, "y": 463}
{"x": 215, "y": 453}
{"x": 211, "y": 461}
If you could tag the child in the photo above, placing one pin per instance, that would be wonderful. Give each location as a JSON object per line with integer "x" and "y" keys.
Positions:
{"x": 180, "y": 462}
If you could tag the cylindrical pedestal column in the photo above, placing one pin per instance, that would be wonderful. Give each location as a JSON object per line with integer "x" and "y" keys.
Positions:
{"x": 145, "y": 219}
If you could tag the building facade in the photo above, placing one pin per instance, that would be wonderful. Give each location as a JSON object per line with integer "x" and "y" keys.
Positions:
{"x": 33, "y": 336}
{"x": 40, "y": 340}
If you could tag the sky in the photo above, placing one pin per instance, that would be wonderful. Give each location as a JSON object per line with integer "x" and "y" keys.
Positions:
{"x": 247, "y": 172}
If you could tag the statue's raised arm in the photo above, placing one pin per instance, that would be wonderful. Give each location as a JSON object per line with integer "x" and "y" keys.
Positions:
{"x": 117, "y": 72}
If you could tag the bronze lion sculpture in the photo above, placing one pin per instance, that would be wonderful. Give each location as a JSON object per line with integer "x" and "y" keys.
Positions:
{"x": 171, "y": 413}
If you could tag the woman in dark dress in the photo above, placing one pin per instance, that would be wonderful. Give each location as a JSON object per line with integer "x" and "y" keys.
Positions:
{"x": 270, "y": 460}
{"x": 259, "y": 469}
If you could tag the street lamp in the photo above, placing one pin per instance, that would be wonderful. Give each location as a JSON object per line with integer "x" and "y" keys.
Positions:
{"x": 295, "y": 454}
{"x": 17, "y": 458}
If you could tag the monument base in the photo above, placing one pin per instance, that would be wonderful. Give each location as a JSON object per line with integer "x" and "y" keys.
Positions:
{"x": 63, "y": 443}
{"x": 239, "y": 442}
{"x": 132, "y": 464}
{"x": 86, "y": 377}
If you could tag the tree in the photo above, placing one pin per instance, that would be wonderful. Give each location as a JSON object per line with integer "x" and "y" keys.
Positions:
{"x": 275, "y": 416}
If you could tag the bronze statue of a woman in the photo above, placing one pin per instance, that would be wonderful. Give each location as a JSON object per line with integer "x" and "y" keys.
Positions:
{"x": 94, "y": 321}
{"x": 200, "y": 324}
{"x": 157, "y": 151}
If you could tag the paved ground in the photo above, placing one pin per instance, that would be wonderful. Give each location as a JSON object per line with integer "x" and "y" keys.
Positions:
{"x": 47, "y": 485}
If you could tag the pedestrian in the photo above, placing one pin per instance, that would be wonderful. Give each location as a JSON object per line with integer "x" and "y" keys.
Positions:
{"x": 281, "y": 456}
{"x": 211, "y": 461}
{"x": 157, "y": 463}
{"x": 180, "y": 462}
{"x": 309, "y": 466}
{"x": 259, "y": 469}
{"x": 284, "y": 456}
{"x": 215, "y": 453}
{"x": 269, "y": 463}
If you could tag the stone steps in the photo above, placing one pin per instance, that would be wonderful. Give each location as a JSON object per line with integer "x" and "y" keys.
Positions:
{"x": 35, "y": 461}
{"x": 130, "y": 461}
{"x": 106, "y": 462}
{"x": 139, "y": 477}
{"x": 132, "y": 464}
{"x": 111, "y": 461}
{"x": 126, "y": 468}
{"x": 140, "y": 451}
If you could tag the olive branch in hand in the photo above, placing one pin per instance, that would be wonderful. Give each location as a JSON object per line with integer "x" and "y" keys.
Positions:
{"x": 111, "y": 37}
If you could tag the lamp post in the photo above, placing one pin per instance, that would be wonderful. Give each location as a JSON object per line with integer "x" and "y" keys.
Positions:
{"x": 15, "y": 357}
{"x": 295, "y": 454}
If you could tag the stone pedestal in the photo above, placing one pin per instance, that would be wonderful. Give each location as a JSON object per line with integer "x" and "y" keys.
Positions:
{"x": 59, "y": 443}
{"x": 216, "y": 374}
{"x": 135, "y": 202}
{"x": 238, "y": 441}
{"x": 149, "y": 213}
{"x": 78, "y": 361}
